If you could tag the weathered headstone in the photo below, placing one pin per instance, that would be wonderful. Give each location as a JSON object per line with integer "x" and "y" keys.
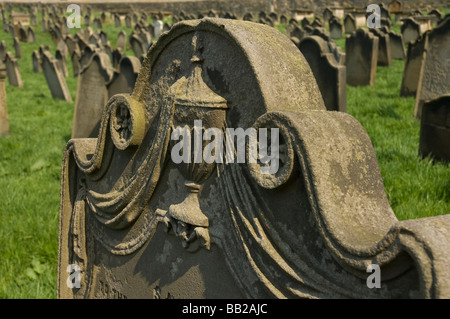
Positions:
{"x": 137, "y": 45}
{"x": 395, "y": 6}
{"x": 117, "y": 55}
{"x": 158, "y": 25}
{"x": 330, "y": 75}
{"x": 128, "y": 21}
{"x": 4, "y": 121}
{"x": 12, "y": 70}
{"x": 413, "y": 67}
{"x": 17, "y": 48}
{"x": 137, "y": 223}
{"x": 335, "y": 29}
{"x": 125, "y": 76}
{"x": 122, "y": 40}
{"x": 55, "y": 78}
{"x": 3, "y": 50}
{"x": 117, "y": 21}
{"x": 434, "y": 79}
{"x": 349, "y": 24}
{"x": 76, "y": 56}
{"x": 31, "y": 37}
{"x": 61, "y": 59}
{"x": 397, "y": 46}
{"x": 435, "y": 129}
{"x": 361, "y": 49}
{"x": 384, "y": 47}
{"x": 71, "y": 44}
{"x": 97, "y": 23}
{"x": 92, "y": 96}
{"x": 36, "y": 60}
{"x": 410, "y": 30}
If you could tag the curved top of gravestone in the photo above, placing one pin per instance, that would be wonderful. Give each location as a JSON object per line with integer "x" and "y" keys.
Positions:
{"x": 254, "y": 67}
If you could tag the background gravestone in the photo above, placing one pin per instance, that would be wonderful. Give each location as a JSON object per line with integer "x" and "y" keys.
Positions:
{"x": 384, "y": 47}
{"x": 413, "y": 66}
{"x": 410, "y": 30}
{"x": 4, "y": 121}
{"x": 435, "y": 129}
{"x": 397, "y": 46}
{"x": 122, "y": 40}
{"x": 54, "y": 77}
{"x": 125, "y": 76}
{"x": 361, "y": 50}
{"x": 434, "y": 78}
{"x": 61, "y": 59}
{"x": 349, "y": 24}
{"x": 3, "y": 50}
{"x": 335, "y": 29}
{"x": 12, "y": 71}
{"x": 92, "y": 95}
{"x": 36, "y": 60}
{"x": 17, "y": 48}
{"x": 137, "y": 45}
{"x": 330, "y": 75}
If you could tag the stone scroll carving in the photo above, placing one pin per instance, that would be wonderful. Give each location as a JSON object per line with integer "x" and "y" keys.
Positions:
{"x": 140, "y": 225}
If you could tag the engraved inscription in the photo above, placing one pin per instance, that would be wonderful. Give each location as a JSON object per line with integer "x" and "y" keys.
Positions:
{"x": 109, "y": 292}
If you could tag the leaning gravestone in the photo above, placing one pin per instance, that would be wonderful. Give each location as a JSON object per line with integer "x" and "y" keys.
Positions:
{"x": 435, "y": 129}
{"x": 125, "y": 76}
{"x": 349, "y": 24}
{"x": 137, "y": 45}
{"x": 330, "y": 75}
{"x": 434, "y": 78}
{"x": 31, "y": 37}
{"x": 4, "y": 121}
{"x": 335, "y": 29}
{"x": 361, "y": 50}
{"x": 384, "y": 47}
{"x": 410, "y": 30}
{"x": 75, "y": 57}
{"x": 12, "y": 70}
{"x": 3, "y": 50}
{"x": 309, "y": 229}
{"x": 158, "y": 28}
{"x": 92, "y": 95}
{"x": 36, "y": 60}
{"x": 17, "y": 48}
{"x": 61, "y": 59}
{"x": 55, "y": 78}
{"x": 122, "y": 40}
{"x": 397, "y": 46}
{"x": 413, "y": 66}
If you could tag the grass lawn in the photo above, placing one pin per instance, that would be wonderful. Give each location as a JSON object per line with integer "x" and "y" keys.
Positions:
{"x": 30, "y": 165}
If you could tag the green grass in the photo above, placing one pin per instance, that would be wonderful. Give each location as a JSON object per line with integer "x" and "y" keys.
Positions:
{"x": 30, "y": 165}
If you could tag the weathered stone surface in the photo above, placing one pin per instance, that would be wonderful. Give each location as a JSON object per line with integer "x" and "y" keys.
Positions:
{"x": 384, "y": 47}
{"x": 349, "y": 24}
{"x": 335, "y": 29}
{"x": 125, "y": 76}
{"x": 413, "y": 67}
{"x": 61, "y": 59}
{"x": 3, "y": 50}
{"x": 4, "y": 121}
{"x": 17, "y": 48}
{"x": 92, "y": 95}
{"x": 435, "y": 129}
{"x": 12, "y": 70}
{"x": 36, "y": 60}
{"x": 122, "y": 40}
{"x": 309, "y": 230}
{"x": 330, "y": 75}
{"x": 361, "y": 50}
{"x": 434, "y": 78}
{"x": 410, "y": 30}
{"x": 55, "y": 78}
{"x": 397, "y": 46}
